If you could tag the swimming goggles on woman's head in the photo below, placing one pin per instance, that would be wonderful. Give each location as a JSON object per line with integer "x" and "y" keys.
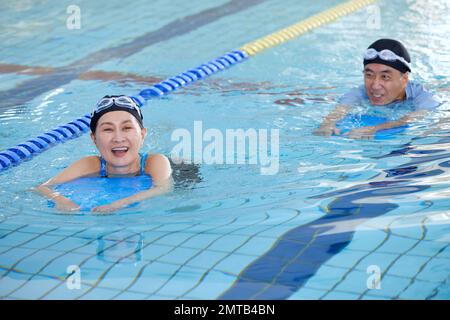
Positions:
{"x": 386, "y": 55}
{"x": 120, "y": 101}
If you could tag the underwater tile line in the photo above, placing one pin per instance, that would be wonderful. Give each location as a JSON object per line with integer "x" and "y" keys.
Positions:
{"x": 289, "y": 263}
{"x": 206, "y": 231}
{"x": 222, "y": 236}
{"x": 17, "y": 246}
{"x": 97, "y": 254}
{"x": 418, "y": 241}
{"x": 142, "y": 268}
{"x": 340, "y": 209}
{"x": 48, "y": 262}
{"x": 229, "y": 254}
{"x": 117, "y": 261}
{"x": 32, "y": 275}
{"x": 66, "y": 237}
{"x": 444, "y": 282}
{"x": 88, "y": 257}
{"x": 413, "y": 279}
{"x": 30, "y": 89}
{"x": 358, "y": 261}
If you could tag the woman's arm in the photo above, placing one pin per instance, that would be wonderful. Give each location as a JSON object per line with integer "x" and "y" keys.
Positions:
{"x": 158, "y": 167}
{"x": 82, "y": 167}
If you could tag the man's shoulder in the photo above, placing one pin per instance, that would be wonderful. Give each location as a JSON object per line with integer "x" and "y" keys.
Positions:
{"x": 422, "y": 98}
{"x": 415, "y": 87}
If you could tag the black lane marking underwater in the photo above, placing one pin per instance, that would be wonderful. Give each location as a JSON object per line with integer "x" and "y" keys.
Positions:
{"x": 300, "y": 252}
{"x": 30, "y": 89}
{"x": 409, "y": 148}
{"x": 404, "y": 172}
{"x": 431, "y": 155}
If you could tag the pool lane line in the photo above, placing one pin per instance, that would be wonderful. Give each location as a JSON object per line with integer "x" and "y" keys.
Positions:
{"x": 24, "y": 151}
{"x": 15, "y": 155}
{"x": 304, "y": 26}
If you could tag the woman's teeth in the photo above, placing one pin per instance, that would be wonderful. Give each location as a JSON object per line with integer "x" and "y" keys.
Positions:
{"x": 119, "y": 150}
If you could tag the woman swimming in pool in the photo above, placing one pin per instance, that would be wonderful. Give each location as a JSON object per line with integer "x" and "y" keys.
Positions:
{"x": 118, "y": 132}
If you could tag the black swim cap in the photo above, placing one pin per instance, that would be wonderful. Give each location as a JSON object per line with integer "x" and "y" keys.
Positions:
{"x": 396, "y": 47}
{"x": 115, "y": 103}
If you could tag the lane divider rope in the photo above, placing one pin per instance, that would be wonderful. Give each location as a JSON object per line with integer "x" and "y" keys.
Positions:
{"x": 25, "y": 151}
{"x": 304, "y": 26}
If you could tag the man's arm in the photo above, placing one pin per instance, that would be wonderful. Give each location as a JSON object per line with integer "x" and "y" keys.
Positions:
{"x": 328, "y": 125}
{"x": 369, "y": 131}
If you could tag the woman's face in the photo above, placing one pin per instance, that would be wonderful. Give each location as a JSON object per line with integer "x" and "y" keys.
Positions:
{"x": 119, "y": 138}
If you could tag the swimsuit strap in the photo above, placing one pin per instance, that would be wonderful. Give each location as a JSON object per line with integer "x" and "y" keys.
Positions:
{"x": 143, "y": 163}
{"x": 102, "y": 167}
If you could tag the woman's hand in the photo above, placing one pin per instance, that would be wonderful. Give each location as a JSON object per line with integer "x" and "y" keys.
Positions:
{"x": 64, "y": 204}
{"x": 116, "y": 205}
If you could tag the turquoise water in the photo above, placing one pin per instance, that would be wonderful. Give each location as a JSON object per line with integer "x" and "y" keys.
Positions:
{"x": 336, "y": 209}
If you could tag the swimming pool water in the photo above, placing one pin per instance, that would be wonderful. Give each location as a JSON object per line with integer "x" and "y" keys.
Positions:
{"x": 338, "y": 212}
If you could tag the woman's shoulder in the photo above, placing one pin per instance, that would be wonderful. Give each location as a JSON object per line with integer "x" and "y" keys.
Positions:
{"x": 156, "y": 159}
{"x": 82, "y": 167}
{"x": 157, "y": 164}
{"x": 88, "y": 162}
{"x": 87, "y": 165}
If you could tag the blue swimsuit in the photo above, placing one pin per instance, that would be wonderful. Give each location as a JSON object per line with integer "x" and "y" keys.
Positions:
{"x": 103, "y": 173}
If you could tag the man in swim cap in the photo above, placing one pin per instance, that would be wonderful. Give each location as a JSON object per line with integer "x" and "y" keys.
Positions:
{"x": 387, "y": 65}
{"x": 118, "y": 132}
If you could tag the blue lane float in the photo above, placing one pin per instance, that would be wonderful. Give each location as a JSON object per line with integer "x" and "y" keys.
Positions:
{"x": 354, "y": 121}
{"x": 25, "y": 151}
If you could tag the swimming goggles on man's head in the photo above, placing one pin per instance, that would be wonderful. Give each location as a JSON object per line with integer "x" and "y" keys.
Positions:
{"x": 386, "y": 55}
{"x": 120, "y": 101}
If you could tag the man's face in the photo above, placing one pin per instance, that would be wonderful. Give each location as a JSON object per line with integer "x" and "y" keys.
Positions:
{"x": 384, "y": 84}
